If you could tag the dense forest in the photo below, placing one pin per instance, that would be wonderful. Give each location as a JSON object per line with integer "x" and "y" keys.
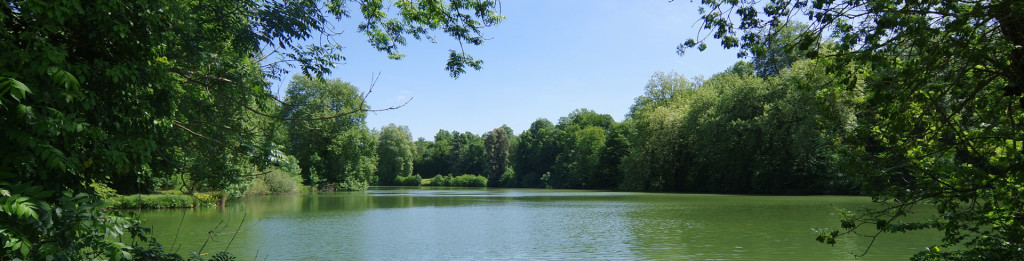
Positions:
{"x": 916, "y": 104}
{"x": 735, "y": 132}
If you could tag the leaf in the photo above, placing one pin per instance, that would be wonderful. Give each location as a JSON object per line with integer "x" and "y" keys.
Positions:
{"x": 20, "y": 207}
{"x": 18, "y": 90}
{"x": 63, "y": 77}
{"x": 25, "y": 248}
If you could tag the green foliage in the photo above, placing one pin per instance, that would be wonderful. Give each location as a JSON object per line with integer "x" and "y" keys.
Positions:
{"x": 350, "y": 184}
{"x": 545, "y": 179}
{"x": 585, "y": 118}
{"x": 468, "y": 180}
{"x": 102, "y": 190}
{"x": 439, "y": 181}
{"x": 464, "y": 180}
{"x": 496, "y": 144}
{"x": 778, "y": 55}
{"x": 257, "y": 187}
{"x": 414, "y": 180}
{"x": 329, "y": 134}
{"x": 152, "y": 201}
{"x": 280, "y": 182}
{"x": 536, "y": 153}
{"x": 434, "y": 156}
{"x": 452, "y": 152}
{"x": 738, "y": 133}
{"x": 468, "y": 154}
{"x": 616, "y": 147}
{"x": 508, "y": 178}
{"x": 576, "y": 166}
{"x": 33, "y": 229}
{"x": 274, "y": 181}
{"x": 460, "y": 19}
{"x": 395, "y": 154}
{"x": 943, "y": 85}
{"x": 142, "y": 95}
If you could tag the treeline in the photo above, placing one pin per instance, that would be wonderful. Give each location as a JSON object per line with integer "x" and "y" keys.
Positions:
{"x": 775, "y": 127}
{"x": 735, "y": 132}
{"x": 749, "y": 129}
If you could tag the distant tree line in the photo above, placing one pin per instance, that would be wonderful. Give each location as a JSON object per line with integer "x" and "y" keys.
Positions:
{"x": 769, "y": 126}
{"x": 736, "y": 132}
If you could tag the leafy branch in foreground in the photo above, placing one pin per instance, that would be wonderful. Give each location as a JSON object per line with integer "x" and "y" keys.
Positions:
{"x": 939, "y": 128}
{"x": 140, "y": 95}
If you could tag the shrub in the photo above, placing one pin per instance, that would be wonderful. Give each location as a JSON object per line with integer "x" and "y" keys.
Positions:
{"x": 236, "y": 190}
{"x": 464, "y": 180}
{"x": 151, "y": 201}
{"x": 469, "y": 180}
{"x": 276, "y": 181}
{"x": 440, "y": 180}
{"x": 102, "y": 190}
{"x": 257, "y": 188}
{"x": 508, "y": 179}
{"x": 353, "y": 184}
{"x": 280, "y": 182}
{"x": 413, "y": 180}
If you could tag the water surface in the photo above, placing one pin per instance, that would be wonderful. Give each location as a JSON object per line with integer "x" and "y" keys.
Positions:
{"x": 403, "y": 223}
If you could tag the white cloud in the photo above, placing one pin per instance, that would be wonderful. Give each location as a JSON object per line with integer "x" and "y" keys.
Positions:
{"x": 403, "y": 95}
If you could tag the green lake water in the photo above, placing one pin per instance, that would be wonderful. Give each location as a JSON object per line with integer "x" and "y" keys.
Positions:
{"x": 407, "y": 223}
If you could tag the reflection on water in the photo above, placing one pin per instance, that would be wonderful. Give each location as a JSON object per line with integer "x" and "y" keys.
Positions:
{"x": 396, "y": 223}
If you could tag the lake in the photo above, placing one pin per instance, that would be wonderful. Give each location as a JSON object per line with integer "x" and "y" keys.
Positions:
{"x": 408, "y": 223}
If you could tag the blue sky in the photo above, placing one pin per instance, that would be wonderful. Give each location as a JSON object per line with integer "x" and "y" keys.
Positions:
{"x": 545, "y": 60}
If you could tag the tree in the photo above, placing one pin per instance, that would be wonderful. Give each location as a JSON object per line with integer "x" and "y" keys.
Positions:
{"x": 536, "y": 153}
{"x": 660, "y": 90}
{"x": 395, "y": 152}
{"x": 513, "y": 144}
{"x": 438, "y": 162}
{"x": 497, "y": 146}
{"x": 738, "y": 133}
{"x": 576, "y": 166}
{"x": 657, "y": 155}
{"x": 580, "y": 139}
{"x": 944, "y": 82}
{"x": 468, "y": 155}
{"x": 114, "y": 91}
{"x": 353, "y": 160}
{"x": 777, "y": 55}
{"x": 585, "y": 117}
{"x": 609, "y": 166}
{"x": 341, "y": 139}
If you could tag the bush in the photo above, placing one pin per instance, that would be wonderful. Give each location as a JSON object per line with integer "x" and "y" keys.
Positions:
{"x": 161, "y": 201}
{"x": 464, "y": 180}
{"x": 352, "y": 184}
{"x": 276, "y": 181}
{"x": 413, "y": 180}
{"x": 469, "y": 180}
{"x": 280, "y": 182}
{"x": 257, "y": 188}
{"x": 440, "y": 180}
{"x": 508, "y": 179}
{"x": 102, "y": 190}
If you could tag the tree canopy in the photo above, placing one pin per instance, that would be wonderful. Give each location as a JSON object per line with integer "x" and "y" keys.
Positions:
{"x": 395, "y": 153}
{"x": 109, "y": 92}
{"x": 944, "y": 93}
{"x": 328, "y": 134}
